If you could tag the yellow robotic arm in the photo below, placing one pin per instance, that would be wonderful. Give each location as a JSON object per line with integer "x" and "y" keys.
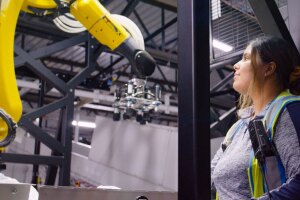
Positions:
{"x": 109, "y": 31}
{"x": 105, "y": 28}
{"x": 92, "y": 15}
{"x": 10, "y": 103}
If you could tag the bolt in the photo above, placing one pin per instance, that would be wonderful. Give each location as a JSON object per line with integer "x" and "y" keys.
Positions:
{"x": 14, "y": 191}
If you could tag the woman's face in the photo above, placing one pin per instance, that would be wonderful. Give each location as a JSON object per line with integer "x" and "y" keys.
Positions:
{"x": 243, "y": 73}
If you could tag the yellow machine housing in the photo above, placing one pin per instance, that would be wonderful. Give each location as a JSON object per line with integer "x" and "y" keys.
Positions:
{"x": 99, "y": 22}
{"x": 43, "y": 4}
{"x": 10, "y": 100}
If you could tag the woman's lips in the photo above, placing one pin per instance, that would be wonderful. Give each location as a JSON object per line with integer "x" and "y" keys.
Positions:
{"x": 235, "y": 75}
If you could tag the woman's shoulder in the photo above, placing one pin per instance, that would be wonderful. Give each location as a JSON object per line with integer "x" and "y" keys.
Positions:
{"x": 290, "y": 115}
{"x": 293, "y": 110}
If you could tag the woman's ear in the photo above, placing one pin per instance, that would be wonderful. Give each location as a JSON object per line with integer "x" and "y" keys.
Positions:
{"x": 269, "y": 69}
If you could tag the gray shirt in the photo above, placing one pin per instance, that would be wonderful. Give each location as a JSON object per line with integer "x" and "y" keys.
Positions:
{"x": 229, "y": 168}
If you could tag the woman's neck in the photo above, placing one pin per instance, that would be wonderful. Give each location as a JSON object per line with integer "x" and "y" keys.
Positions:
{"x": 261, "y": 99}
{"x": 260, "y": 103}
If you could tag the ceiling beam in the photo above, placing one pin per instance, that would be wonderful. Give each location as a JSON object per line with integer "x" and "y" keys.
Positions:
{"x": 170, "y": 5}
{"x": 95, "y": 95}
{"x": 39, "y": 28}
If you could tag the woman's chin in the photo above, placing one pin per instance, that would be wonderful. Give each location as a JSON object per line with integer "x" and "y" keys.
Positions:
{"x": 235, "y": 87}
{"x": 238, "y": 89}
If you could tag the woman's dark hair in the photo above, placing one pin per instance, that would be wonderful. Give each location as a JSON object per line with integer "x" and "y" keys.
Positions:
{"x": 279, "y": 51}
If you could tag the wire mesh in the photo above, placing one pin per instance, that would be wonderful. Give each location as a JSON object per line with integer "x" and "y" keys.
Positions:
{"x": 233, "y": 25}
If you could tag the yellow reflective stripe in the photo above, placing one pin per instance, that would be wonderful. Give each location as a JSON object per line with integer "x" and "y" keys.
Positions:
{"x": 282, "y": 95}
{"x": 281, "y": 106}
{"x": 257, "y": 178}
{"x": 250, "y": 179}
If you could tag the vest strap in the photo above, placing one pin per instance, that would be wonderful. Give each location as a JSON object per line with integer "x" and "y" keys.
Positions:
{"x": 273, "y": 169}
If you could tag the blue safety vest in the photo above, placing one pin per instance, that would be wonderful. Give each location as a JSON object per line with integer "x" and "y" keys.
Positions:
{"x": 273, "y": 169}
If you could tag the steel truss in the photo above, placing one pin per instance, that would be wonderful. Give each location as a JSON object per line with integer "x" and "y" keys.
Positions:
{"x": 60, "y": 144}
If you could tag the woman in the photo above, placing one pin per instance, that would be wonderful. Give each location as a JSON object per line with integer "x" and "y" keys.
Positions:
{"x": 265, "y": 76}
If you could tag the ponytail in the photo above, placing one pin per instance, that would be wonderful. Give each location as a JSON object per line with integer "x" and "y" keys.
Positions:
{"x": 294, "y": 81}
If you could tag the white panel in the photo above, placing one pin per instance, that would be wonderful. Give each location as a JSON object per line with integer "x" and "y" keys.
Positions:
{"x": 20, "y": 172}
{"x": 170, "y": 176}
{"x": 99, "y": 174}
{"x": 140, "y": 151}
{"x": 123, "y": 154}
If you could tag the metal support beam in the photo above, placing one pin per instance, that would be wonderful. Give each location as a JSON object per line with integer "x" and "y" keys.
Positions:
{"x": 31, "y": 159}
{"x": 221, "y": 93}
{"x": 158, "y": 31}
{"x": 92, "y": 55}
{"x": 164, "y": 56}
{"x": 193, "y": 88}
{"x": 37, "y": 144}
{"x": 166, "y": 5}
{"x": 294, "y": 16}
{"x": 144, "y": 26}
{"x": 41, "y": 135}
{"x": 163, "y": 33}
{"x": 270, "y": 19}
{"x": 130, "y": 7}
{"x": 164, "y": 77}
{"x": 64, "y": 62}
{"x": 45, "y": 109}
{"x": 230, "y": 59}
{"x": 51, "y": 49}
{"x": 222, "y": 120}
{"x": 32, "y": 26}
{"x": 61, "y": 146}
{"x": 223, "y": 83}
{"x": 108, "y": 69}
{"x": 52, "y": 170}
{"x": 40, "y": 69}
{"x": 66, "y": 140}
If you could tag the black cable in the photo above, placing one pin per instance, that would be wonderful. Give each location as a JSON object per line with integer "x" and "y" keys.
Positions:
{"x": 11, "y": 129}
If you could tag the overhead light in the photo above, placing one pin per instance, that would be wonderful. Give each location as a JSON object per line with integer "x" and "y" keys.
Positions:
{"x": 221, "y": 45}
{"x": 215, "y": 9}
{"x": 84, "y": 124}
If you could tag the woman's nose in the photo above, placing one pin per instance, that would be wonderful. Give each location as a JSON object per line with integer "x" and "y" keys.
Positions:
{"x": 235, "y": 66}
